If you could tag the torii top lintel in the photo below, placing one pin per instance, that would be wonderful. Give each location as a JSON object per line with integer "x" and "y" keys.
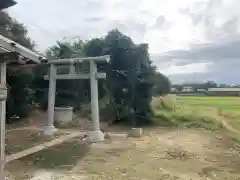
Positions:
{"x": 105, "y": 58}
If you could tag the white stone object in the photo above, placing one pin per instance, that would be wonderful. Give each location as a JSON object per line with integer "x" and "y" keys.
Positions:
{"x": 63, "y": 114}
{"x": 136, "y": 132}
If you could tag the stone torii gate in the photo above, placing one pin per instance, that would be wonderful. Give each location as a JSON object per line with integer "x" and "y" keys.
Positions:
{"x": 56, "y": 71}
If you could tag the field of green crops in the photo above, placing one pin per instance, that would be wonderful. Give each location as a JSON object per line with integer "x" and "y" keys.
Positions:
{"x": 231, "y": 104}
{"x": 226, "y": 107}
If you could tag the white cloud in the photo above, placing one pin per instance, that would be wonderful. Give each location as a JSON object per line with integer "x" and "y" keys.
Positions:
{"x": 51, "y": 20}
{"x": 167, "y": 25}
{"x": 171, "y": 69}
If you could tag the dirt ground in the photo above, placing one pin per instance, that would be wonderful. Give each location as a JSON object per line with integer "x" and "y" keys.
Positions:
{"x": 21, "y": 139}
{"x": 161, "y": 154}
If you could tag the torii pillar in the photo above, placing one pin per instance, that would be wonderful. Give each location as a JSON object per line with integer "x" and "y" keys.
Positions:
{"x": 49, "y": 128}
{"x": 3, "y": 96}
{"x": 95, "y": 134}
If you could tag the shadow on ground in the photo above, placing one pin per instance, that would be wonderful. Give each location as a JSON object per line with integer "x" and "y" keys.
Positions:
{"x": 65, "y": 155}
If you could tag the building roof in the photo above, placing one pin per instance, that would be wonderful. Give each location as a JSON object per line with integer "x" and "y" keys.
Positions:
{"x": 7, "y": 3}
{"x": 8, "y": 45}
{"x": 224, "y": 89}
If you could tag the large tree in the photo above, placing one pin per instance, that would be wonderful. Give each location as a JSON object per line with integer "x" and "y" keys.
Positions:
{"x": 129, "y": 75}
{"x": 14, "y": 30}
{"x": 131, "y": 81}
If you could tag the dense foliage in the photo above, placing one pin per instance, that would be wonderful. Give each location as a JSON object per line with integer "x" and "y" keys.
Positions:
{"x": 162, "y": 85}
{"x": 131, "y": 82}
{"x": 19, "y": 93}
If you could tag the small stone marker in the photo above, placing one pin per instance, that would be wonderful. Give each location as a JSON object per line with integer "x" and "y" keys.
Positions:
{"x": 135, "y": 132}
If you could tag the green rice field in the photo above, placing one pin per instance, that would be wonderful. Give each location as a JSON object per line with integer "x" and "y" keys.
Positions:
{"x": 225, "y": 107}
{"x": 223, "y": 103}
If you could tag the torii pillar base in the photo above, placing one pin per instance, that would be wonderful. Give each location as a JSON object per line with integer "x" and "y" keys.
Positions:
{"x": 49, "y": 130}
{"x": 95, "y": 136}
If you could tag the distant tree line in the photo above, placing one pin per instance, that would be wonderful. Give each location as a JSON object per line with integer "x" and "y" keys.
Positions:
{"x": 195, "y": 86}
{"x": 205, "y": 86}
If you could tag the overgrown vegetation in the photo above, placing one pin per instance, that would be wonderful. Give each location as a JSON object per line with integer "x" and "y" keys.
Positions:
{"x": 168, "y": 113}
{"x": 225, "y": 108}
{"x": 131, "y": 82}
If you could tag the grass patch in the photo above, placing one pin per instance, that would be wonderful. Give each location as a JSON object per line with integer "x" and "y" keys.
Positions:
{"x": 168, "y": 112}
{"x": 223, "y": 103}
{"x": 236, "y": 141}
{"x": 182, "y": 119}
{"x": 166, "y": 103}
{"x": 209, "y": 172}
{"x": 64, "y": 155}
{"x": 227, "y": 108}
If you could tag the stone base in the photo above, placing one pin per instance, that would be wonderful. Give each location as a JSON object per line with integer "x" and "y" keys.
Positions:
{"x": 49, "y": 130}
{"x": 95, "y": 136}
{"x": 136, "y": 132}
{"x": 63, "y": 114}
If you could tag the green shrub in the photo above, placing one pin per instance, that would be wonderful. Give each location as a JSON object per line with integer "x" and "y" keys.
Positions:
{"x": 166, "y": 114}
{"x": 164, "y": 118}
{"x": 85, "y": 110}
{"x": 235, "y": 140}
{"x": 107, "y": 110}
{"x": 20, "y": 95}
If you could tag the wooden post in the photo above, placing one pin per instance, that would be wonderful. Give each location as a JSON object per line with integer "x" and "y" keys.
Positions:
{"x": 96, "y": 134}
{"x": 2, "y": 119}
{"x": 49, "y": 128}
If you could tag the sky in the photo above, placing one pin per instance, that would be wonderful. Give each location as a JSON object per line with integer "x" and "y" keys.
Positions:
{"x": 189, "y": 40}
